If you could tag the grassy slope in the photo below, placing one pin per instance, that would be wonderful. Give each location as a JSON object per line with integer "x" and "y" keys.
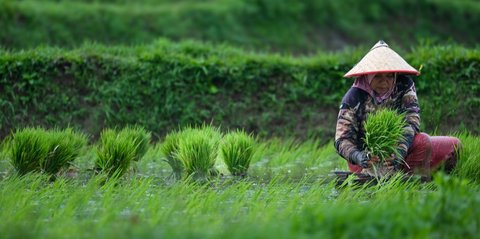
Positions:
{"x": 164, "y": 85}
{"x": 283, "y": 26}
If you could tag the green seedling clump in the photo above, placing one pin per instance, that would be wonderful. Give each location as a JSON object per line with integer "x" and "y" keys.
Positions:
{"x": 47, "y": 151}
{"x": 27, "y": 149}
{"x": 237, "y": 149}
{"x": 114, "y": 153}
{"x": 64, "y": 146}
{"x": 169, "y": 150}
{"x": 140, "y": 138}
{"x": 383, "y": 131}
{"x": 118, "y": 149}
{"x": 198, "y": 150}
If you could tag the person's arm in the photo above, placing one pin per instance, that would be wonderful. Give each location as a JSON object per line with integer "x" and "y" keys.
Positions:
{"x": 347, "y": 131}
{"x": 412, "y": 117}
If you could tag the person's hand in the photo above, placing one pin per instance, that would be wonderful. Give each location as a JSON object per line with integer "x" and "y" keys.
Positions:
{"x": 361, "y": 159}
{"x": 388, "y": 163}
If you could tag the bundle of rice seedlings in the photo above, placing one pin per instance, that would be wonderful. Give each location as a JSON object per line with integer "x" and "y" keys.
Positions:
{"x": 198, "y": 150}
{"x": 169, "y": 149}
{"x": 237, "y": 150}
{"x": 115, "y": 153}
{"x": 63, "y": 147}
{"x": 39, "y": 150}
{"x": 383, "y": 132}
{"x": 27, "y": 148}
{"x": 140, "y": 137}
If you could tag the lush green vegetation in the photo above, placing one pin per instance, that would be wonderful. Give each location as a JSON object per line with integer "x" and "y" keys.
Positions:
{"x": 287, "y": 194}
{"x": 118, "y": 148}
{"x": 237, "y": 149}
{"x": 383, "y": 131}
{"x": 198, "y": 151}
{"x": 39, "y": 150}
{"x": 284, "y": 26}
{"x": 98, "y": 66}
{"x": 165, "y": 85}
{"x": 169, "y": 150}
{"x": 142, "y": 208}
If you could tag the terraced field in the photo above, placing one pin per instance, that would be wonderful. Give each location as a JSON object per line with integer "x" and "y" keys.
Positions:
{"x": 266, "y": 76}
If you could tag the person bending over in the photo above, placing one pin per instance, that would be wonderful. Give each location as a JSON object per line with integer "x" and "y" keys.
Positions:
{"x": 384, "y": 79}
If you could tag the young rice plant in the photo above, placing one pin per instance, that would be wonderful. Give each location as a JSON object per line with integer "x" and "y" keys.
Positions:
{"x": 40, "y": 150}
{"x": 28, "y": 147}
{"x": 63, "y": 147}
{"x": 115, "y": 153}
{"x": 198, "y": 150}
{"x": 237, "y": 151}
{"x": 140, "y": 137}
{"x": 169, "y": 150}
{"x": 383, "y": 132}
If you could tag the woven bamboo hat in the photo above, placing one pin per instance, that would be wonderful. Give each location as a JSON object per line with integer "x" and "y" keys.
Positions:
{"x": 381, "y": 59}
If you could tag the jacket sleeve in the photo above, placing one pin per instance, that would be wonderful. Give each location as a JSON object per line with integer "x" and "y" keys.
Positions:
{"x": 412, "y": 117}
{"x": 346, "y": 134}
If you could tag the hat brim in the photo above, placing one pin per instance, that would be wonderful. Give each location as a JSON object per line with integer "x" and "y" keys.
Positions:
{"x": 409, "y": 72}
{"x": 381, "y": 59}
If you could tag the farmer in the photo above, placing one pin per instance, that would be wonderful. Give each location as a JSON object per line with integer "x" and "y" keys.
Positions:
{"x": 382, "y": 79}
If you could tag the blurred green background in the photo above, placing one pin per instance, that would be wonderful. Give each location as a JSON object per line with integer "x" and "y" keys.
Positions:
{"x": 297, "y": 27}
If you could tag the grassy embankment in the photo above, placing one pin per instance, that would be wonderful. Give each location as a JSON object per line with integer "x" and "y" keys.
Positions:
{"x": 164, "y": 85}
{"x": 281, "y": 26}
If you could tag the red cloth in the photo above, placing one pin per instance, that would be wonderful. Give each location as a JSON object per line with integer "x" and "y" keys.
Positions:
{"x": 428, "y": 153}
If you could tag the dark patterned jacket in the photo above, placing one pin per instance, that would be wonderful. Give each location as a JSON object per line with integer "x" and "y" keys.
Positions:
{"x": 357, "y": 103}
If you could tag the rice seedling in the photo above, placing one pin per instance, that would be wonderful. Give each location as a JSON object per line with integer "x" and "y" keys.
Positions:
{"x": 140, "y": 137}
{"x": 468, "y": 165}
{"x": 237, "y": 149}
{"x": 280, "y": 208}
{"x": 169, "y": 150}
{"x": 4, "y": 163}
{"x": 63, "y": 147}
{"x": 115, "y": 153}
{"x": 383, "y": 132}
{"x": 28, "y": 147}
{"x": 198, "y": 150}
{"x": 48, "y": 151}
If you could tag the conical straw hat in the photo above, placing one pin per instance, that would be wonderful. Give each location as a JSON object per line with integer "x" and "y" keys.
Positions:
{"x": 381, "y": 59}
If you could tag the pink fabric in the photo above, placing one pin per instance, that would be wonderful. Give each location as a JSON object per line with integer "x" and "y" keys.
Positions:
{"x": 419, "y": 155}
{"x": 444, "y": 152}
{"x": 428, "y": 153}
{"x": 354, "y": 168}
{"x": 363, "y": 82}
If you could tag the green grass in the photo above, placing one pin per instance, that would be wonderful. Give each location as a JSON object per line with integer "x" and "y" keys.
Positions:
{"x": 140, "y": 137}
{"x": 288, "y": 193}
{"x": 143, "y": 208}
{"x": 283, "y": 26}
{"x": 64, "y": 147}
{"x": 95, "y": 87}
{"x": 383, "y": 132}
{"x": 115, "y": 153}
{"x": 169, "y": 149}
{"x": 198, "y": 151}
{"x": 468, "y": 166}
{"x": 294, "y": 200}
{"x": 118, "y": 148}
{"x": 47, "y": 151}
{"x": 28, "y": 149}
{"x": 237, "y": 149}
